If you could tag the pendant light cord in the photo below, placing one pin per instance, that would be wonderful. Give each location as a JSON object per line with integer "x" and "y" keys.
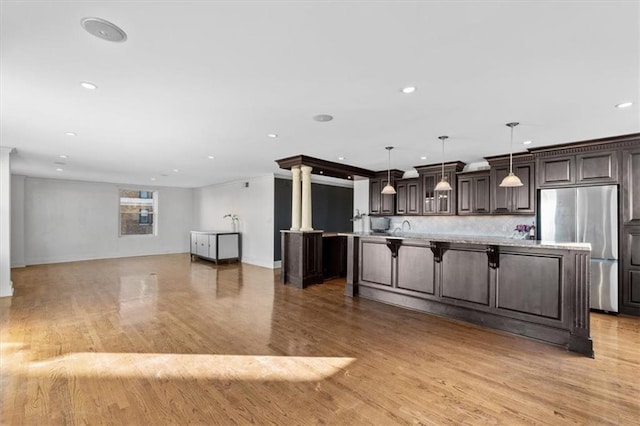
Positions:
{"x": 511, "y": 152}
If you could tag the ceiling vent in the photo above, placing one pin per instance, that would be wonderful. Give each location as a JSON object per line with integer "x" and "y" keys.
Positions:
{"x": 103, "y": 29}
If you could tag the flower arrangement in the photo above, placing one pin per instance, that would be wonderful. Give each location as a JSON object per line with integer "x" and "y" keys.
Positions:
{"x": 523, "y": 232}
{"x": 234, "y": 220}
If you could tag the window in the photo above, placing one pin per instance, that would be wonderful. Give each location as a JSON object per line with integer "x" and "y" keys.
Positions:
{"x": 138, "y": 212}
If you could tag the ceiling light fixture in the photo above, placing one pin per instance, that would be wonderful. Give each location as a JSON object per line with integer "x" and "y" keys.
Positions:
{"x": 341, "y": 158}
{"x": 624, "y": 105}
{"x": 211, "y": 157}
{"x": 103, "y": 29}
{"x": 388, "y": 190}
{"x": 443, "y": 185}
{"x": 88, "y": 85}
{"x": 175, "y": 170}
{"x": 153, "y": 178}
{"x": 272, "y": 135}
{"x": 511, "y": 180}
{"x": 527, "y": 142}
{"x": 323, "y": 118}
{"x": 424, "y": 157}
{"x": 71, "y": 134}
{"x": 62, "y": 156}
{"x": 408, "y": 89}
{"x": 59, "y": 170}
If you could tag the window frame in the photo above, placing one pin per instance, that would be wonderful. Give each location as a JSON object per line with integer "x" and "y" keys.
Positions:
{"x": 152, "y": 194}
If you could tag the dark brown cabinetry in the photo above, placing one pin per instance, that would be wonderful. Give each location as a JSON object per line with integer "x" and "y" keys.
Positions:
{"x": 607, "y": 161}
{"x": 630, "y": 300}
{"x": 380, "y": 204}
{"x": 438, "y": 202}
{"x": 517, "y": 200}
{"x": 586, "y": 168}
{"x": 408, "y": 197}
{"x": 474, "y": 193}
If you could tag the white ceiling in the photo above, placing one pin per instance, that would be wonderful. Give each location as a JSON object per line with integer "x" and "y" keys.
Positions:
{"x": 199, "y": 78}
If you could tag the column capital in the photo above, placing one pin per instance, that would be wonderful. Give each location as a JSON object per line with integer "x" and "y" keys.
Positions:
{"x": 306, "y": 169}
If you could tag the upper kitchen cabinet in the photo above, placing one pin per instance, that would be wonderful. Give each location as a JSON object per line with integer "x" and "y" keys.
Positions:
{"x": 578, "y": 164}
{"x": 631, "y": 185}
{"x": 515, "y": 200}
{"x": 439, "y": 202}
{"x": 408, "y": 197}
{"x": 474, "y": 192}
{"x": 383, "y": 205}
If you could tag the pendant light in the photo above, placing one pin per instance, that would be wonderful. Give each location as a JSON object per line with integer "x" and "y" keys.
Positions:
{"x": 511, "y": 180}
{"x": 389, "y": 190}
{"x": 443, "y": 185}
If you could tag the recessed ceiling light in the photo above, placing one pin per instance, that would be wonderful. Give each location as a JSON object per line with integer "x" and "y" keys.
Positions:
{"x": 88, "y": 85}
{"x": 71, "y": 134}
{"x": 272, "y": 135}
{"x": 62, "y": 156}
{"x": 323, "y": 117}
{"x": 59, "y": 169}
{"x": 527, "y": 142}
{"x": 348, "y": 177}
{"x": 153, "y": 178}
{"x": 175, "y": 170}
{"x": 211, "y": 157}
{"x": 321, "y": 172}
{"x": 103, "y": 29}
{"x": 624, "y": 105}
{"x": 408, "y": 89}
{"x": 423, "y": 157}
{"x": 341, "y": 158}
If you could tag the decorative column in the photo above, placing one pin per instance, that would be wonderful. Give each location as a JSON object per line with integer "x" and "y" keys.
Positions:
{"x": 295, "y": 199}
{"x": 306, "y": 198}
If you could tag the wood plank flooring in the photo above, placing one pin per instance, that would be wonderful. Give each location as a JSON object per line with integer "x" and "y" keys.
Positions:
{"x": 162, "y": 340}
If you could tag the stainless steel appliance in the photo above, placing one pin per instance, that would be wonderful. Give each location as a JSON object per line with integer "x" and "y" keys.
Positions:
{"x": 587, "y": 214}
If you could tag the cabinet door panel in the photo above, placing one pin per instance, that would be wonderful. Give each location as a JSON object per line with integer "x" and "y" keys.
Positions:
{"x": 413, "y": 198}
{"x": 532, "y": 285}
{"x": 524, "y": 196}
{"x": 501, "y": 199}
{"x": 465, "y": 276}
{"x": 374, "y": 196}
{"x": 401, "y": 198}
{"x": 203, "y": 245}
{"x": 600, "y": 167}
{"x": 429, "y": 202}
{"x": 228, "y": 246}
{"x": 375, "y": 262}
{"x": 482, "y": 192}
{"x": 416, "y": 269}
{"x": 387, "y": 204}
{"x": 464, "y": 195}
{"x": 631, "y": 187}
{"x": 557, "y": 171}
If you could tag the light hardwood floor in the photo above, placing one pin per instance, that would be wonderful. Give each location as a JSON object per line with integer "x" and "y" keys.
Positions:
{"x": 161, "y": 340}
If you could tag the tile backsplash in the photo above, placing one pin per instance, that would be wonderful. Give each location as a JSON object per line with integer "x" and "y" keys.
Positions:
{"x": 497, "y": 226}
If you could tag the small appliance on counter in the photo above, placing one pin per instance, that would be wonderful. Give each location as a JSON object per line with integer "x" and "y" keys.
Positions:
{"x": 380, "y": 224}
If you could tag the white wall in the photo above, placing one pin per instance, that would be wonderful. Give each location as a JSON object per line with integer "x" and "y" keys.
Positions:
{"x": 253, "y": 205}
{"x": 71, "y": 220}
{"x": 17, "y": 221}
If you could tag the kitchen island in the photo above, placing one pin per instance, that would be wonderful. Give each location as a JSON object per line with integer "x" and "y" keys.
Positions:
{"x": 536, "y": 289}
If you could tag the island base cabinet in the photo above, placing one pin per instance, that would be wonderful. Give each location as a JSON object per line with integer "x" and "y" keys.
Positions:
{"x": 542, "y": 293}
{"x": 466, "y": 276}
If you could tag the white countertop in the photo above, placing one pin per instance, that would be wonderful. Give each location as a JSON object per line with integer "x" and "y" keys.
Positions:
{"x": 474, "y": 239}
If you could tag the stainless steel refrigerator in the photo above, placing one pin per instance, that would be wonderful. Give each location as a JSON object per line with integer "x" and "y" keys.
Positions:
{"x": 587, "y": 214}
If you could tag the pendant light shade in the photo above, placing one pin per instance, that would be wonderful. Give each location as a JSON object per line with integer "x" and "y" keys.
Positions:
{"x": 511, "y": 180}
{"x": 443, "y": 185}
{"x": 388, "y": 190}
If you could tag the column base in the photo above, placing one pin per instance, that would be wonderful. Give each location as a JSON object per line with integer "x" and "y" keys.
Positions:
{"x": 306, "y": 229}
